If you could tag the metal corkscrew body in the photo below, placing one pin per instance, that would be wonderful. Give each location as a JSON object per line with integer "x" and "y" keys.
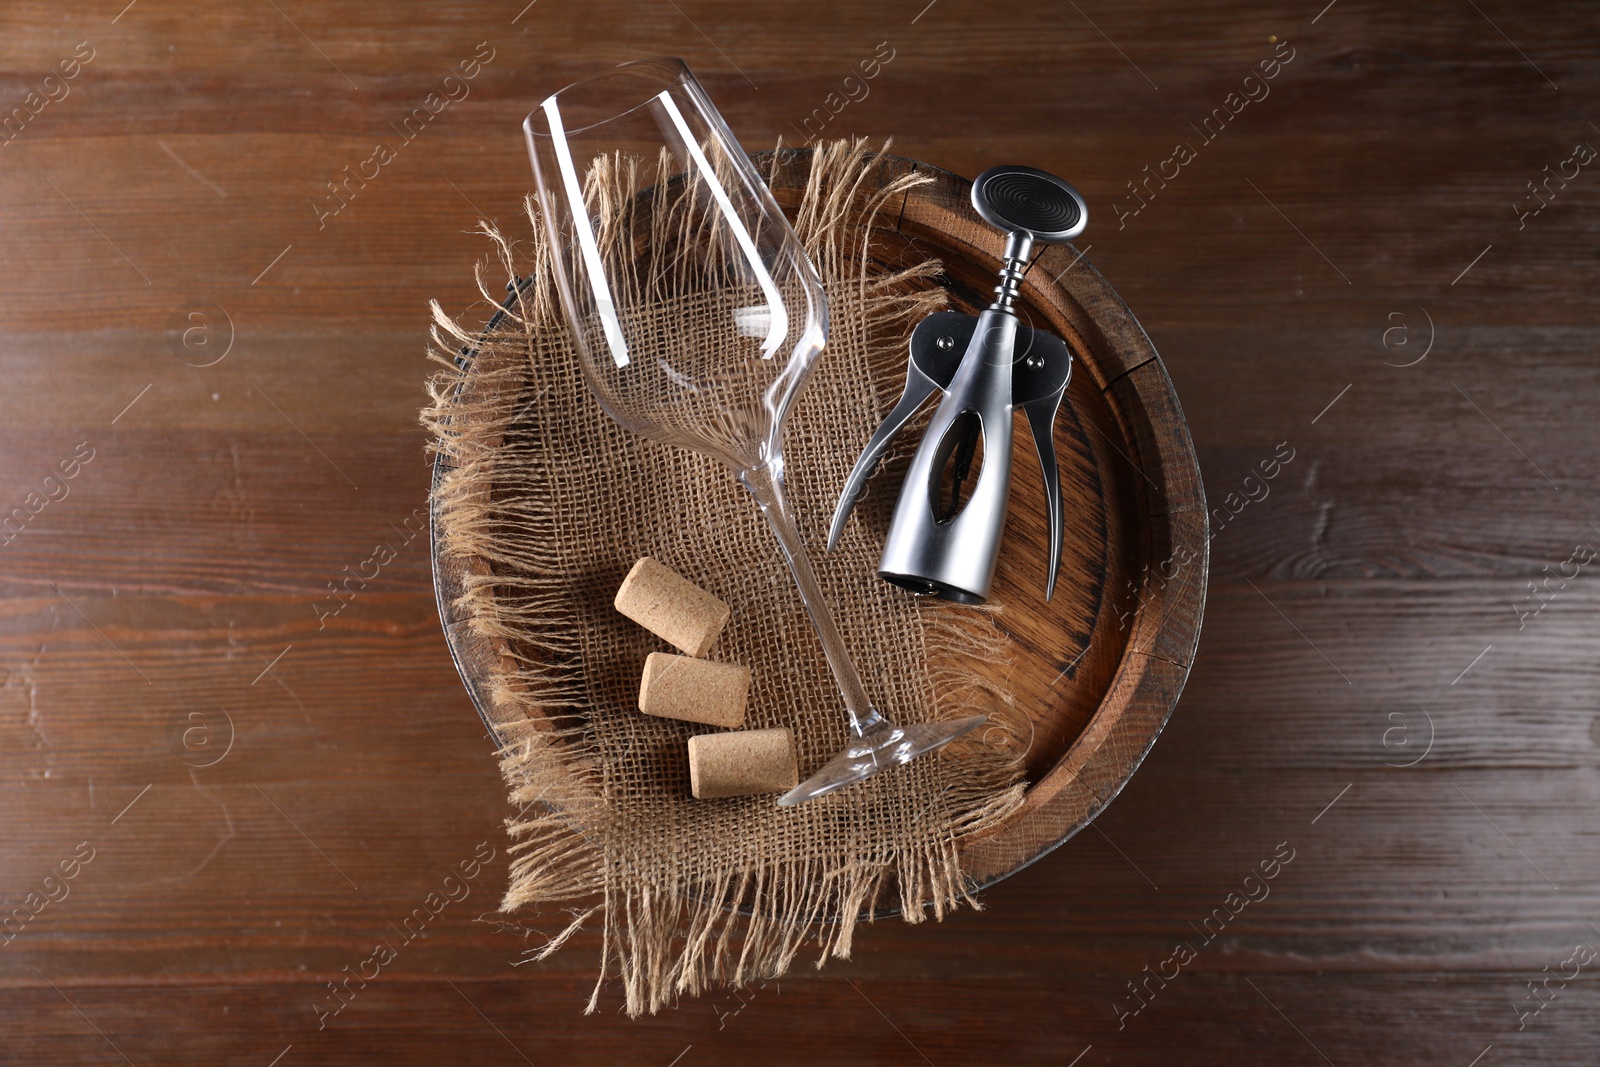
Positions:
{"x": 940, "y": 542}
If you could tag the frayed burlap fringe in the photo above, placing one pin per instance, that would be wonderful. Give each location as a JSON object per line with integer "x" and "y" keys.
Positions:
{"x": 550, "y": 503}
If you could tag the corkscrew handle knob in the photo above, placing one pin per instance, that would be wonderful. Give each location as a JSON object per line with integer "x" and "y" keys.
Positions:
{"x": 1032, "y": 207}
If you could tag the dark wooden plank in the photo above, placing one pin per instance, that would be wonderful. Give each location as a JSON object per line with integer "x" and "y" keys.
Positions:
{"x": 1226, "y": 1019}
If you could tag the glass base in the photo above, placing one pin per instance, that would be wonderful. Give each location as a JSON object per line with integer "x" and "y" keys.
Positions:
{"x": 882, "y": 747}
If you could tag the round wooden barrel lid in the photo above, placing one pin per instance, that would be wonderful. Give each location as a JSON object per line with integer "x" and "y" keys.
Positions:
{"x": 1099, "y": 669}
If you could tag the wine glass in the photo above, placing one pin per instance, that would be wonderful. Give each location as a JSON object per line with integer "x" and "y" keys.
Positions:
{"x": 696, "y": 316}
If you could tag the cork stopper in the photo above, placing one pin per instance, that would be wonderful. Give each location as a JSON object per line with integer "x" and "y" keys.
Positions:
{"x": 694, "y": 690}
{"x": 672, "y": 607}
{"x": 742, "y": 764}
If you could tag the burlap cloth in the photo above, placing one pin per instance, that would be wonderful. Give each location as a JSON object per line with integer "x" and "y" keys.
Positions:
{"x": 554, "y": 502}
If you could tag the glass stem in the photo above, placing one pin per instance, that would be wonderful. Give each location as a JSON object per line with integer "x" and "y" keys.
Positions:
{"x": 766, "y": 485}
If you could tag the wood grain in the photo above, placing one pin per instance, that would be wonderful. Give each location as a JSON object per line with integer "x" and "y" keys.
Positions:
{"x": 1391, "y": 151}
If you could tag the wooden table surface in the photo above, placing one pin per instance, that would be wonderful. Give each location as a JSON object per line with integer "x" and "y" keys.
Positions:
{"x": 1370, "y": 823}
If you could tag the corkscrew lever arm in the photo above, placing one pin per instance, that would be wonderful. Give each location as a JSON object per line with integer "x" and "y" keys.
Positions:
{"x": 1042, "y": 420}
{"x": 937, "y": 345}
{"x": 918, "y": 390}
